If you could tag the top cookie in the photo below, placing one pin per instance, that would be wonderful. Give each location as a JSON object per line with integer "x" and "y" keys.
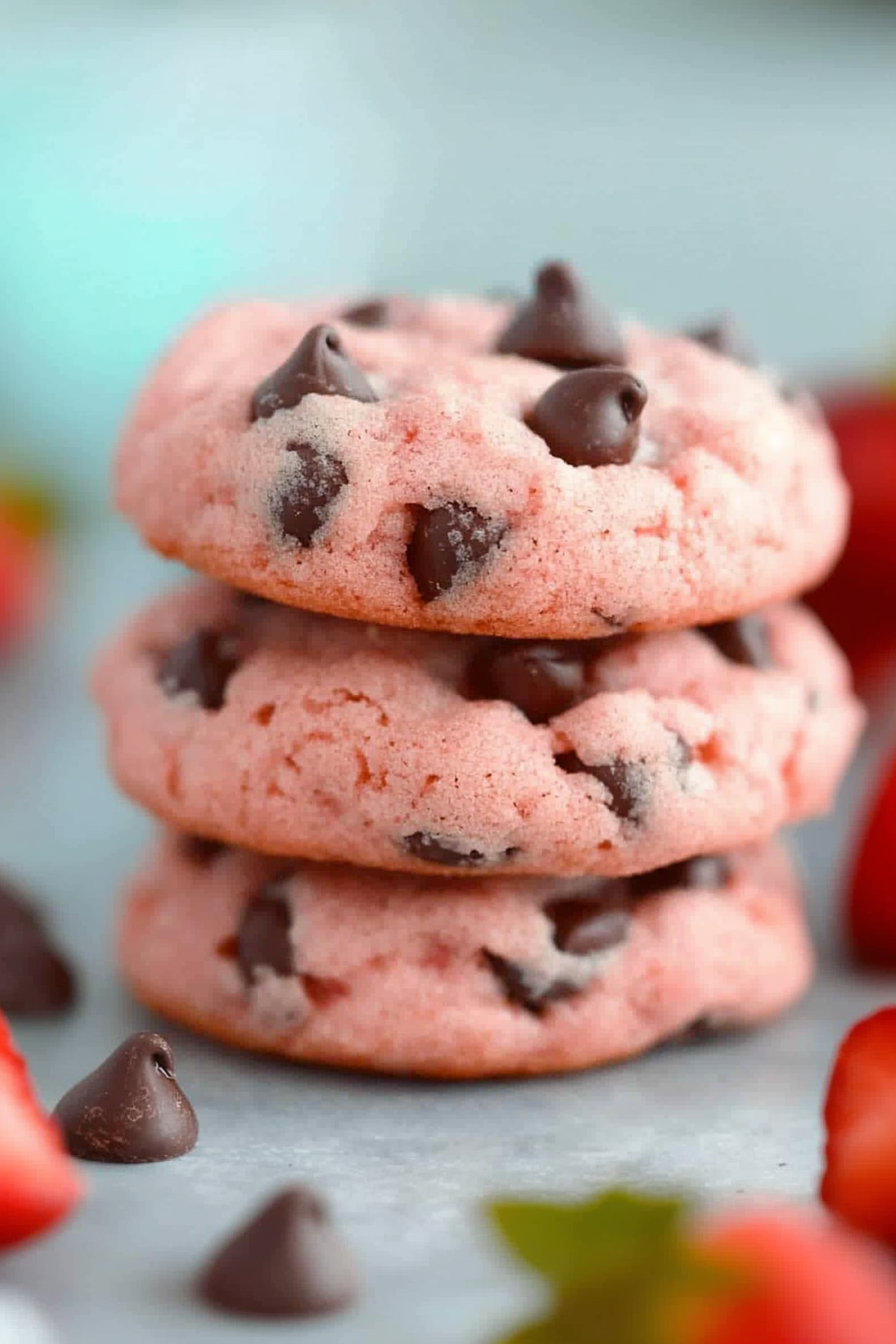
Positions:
{"x": 436, "y": 471}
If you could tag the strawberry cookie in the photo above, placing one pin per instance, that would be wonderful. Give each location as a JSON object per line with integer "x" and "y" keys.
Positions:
{"x": 461, "y": 465}
{"x": 498, "y": 976}
{"x": 300, "y": 734}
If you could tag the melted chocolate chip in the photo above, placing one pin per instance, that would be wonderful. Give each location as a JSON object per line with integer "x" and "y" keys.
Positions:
{"x": 287, "y": 1261}
{"x": 263, "y": 937}
{"x": 706, "y": 870}
{"x": 724, "y": 337}
{"x": 562, "y": 324}
{"x": 543, "y": 680}
{"x": 131, "y": 1108}
{"x": 591, "y": 418}
{"x": 372, "y": 313}
{"x": 584, "y": 925}
{"x": 196, "y": 849}
{"x": 34, "y": 979}
{"x": 525, "y": 988}
{"x": 318, "y": 364}
{"x": 448, "y": 853}
{"x": 627, "y": 782}
{"x": 448, "y": 545}
{"x": 308, "y": 489}
{"x": 745, "y": 641}
{"x": 201, "y": 666}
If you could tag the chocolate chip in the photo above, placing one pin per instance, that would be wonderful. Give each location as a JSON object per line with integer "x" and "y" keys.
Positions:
{"x": 724, "y": 337}
{"x": 318, "y": 364}
{"x": 35, "y": 980}
{"x": 524, "y": 987}
{"x": 309, "y": 487}
{"x": 584, "y": 925}
{"x": 591, "y": 418}
{"x": 372, "y": 313}
{"x": 131, "y": 1108}
{"x": 449, "y": 853}
{"x": 562, "y": 324}
{"x": 448, "y": 544}
{"x": 263, "y": 937}
{"x": 706, "y": 870}
{"x": 288, "y": 1260}
{"x": 543, "y": 680}
{"x": 201, "y": 666}
{"x": 200, "y": 851}
{"x": 745, "y": 641}
{"x": 627, "y": 782}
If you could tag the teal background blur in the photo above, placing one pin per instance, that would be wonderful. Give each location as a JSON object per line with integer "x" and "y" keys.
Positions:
{"x": 687, "y": 154}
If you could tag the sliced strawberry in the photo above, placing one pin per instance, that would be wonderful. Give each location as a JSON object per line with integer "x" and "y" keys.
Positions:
{"x": 39, "y": 1184}
{"x": 809, "y": 1282}
{"x": 871, "y": 900}
{"x": 859, "y": 1182}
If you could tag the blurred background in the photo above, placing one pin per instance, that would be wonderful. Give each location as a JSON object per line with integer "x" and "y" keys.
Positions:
{"x": 688, "y": 154}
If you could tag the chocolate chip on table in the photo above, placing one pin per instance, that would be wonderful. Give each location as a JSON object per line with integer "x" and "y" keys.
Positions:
{"x": 289, "y": 1260}
{"x": 584, "y": 925}
{"x": 724, "y": 337}
{"x": 448, "y": 544}
{"x": 744, "y": 641}
{"x": 543, "y": 680}
{"x": 131, "y": 1108}
{"x": 319, "y": 364}
{"x": 371, "y": 313}
{"x": 627, "y": 782}
{"x": 448, "y": 853}
{"x": 309, "y": 487}
{"x": 35, "y": 980}
{"x": 562, "y": 324}
{"x": 263, "y": 939}
{"x": 526, "y": 988}
{"x": 705, "y": 870}
{"x": 591, "y": 418}
{"x": 201, "y": 666}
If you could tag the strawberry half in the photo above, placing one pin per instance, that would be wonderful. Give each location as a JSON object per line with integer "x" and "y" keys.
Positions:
{"x": 39, "y": 1184}
{"x": 859, "y": 1182}
{"x": 871, "y": 900}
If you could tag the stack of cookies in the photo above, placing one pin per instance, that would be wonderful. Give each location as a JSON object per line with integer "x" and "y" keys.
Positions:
{"x": 473, "y": 737}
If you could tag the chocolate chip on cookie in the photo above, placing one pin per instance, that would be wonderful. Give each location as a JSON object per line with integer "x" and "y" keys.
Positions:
{"x": 448, "y": 545}
{"x": 709, "y": 871}
{"x": 591, "y": 418}
{"x": 584, "y": 925}
{"x": 370, "y": 313}
{"x": 627, "y": 782}
{"x": 319, "y": 364}
{"x": 448, "y": 853}
{"x": 543, "y": 680}
{"x": 308, "y": 489}
{"x": 196, "y": 849}
{"x": 263, "y": 939}
{"x": 743, "y": 641}
{"x": 724, "y": 337}
{"x": 525, "y": 987}
{"x": 562, "y": 324}
{"x": 201, "y": 667}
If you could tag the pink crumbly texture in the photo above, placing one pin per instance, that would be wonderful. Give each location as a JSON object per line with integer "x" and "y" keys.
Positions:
{"x": 336, "y": 739}
{"x": 734, "y": 500}
{"x": 391, "y": 972}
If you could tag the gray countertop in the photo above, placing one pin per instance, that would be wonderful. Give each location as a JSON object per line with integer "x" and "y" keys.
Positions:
{"x": 405, "y": 1164}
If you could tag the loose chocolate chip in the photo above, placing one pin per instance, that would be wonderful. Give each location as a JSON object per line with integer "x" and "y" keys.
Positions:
{"x": 288, "y": 1260}
{"x": 562, "y": 324}
{"x": 448, "y": 853}
{"x": 448, "y": 545}
{"x": 263, "y": 937}
{"x": 318, "y": 364}
{"x": 308, "y": 490}
{"x": 131, "y": 1108}
{"x": 542, "y": 680}
{"x": 201, "y": 666}
{"x": 706, "y": 870}
{"x": 725, "y": 337}
{"x": 591, "y": 418}
{"x": 34, "y": 979}
{"x": 372, "y": 313}
{"x": 745, "y": 641}
{"x": 523, "y": 987}
{"x": 200, "y": 851}
{"x": 584, "y": 925}
{"x": 627, "y": 782}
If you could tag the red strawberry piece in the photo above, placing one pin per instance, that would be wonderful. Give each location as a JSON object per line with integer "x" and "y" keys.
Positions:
{"x": 871, "y": 901}
{"x": 859, "y": 1182}
{"x": 22, "y": 582}
{"x": 806, "y": 1281}
{"x": 861, "y": 615}
{"x": 39, "y": 1184}
{"x": 863, "y": 421}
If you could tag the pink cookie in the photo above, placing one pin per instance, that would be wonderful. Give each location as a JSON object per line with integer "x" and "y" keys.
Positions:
{"x": 414, "y": 975}
{"x": 293, "y": 733}
{"x": 411, "y": 475}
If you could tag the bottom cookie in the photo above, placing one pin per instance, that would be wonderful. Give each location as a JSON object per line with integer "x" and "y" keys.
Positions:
{"x": 400, "y": 974}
